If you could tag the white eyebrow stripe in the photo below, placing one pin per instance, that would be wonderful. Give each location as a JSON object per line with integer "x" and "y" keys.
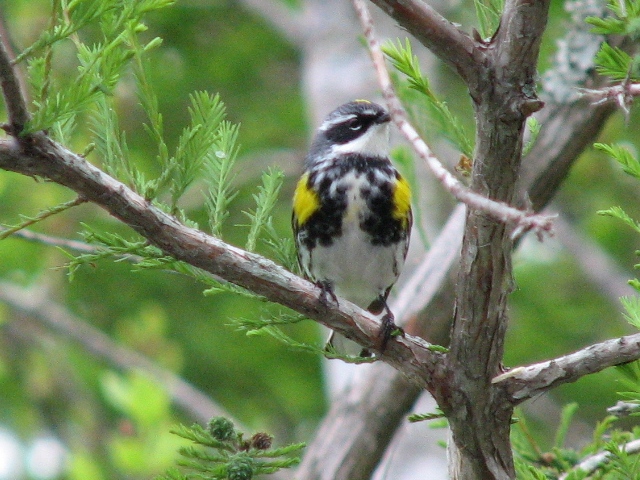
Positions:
{"x": 327, "y": 124}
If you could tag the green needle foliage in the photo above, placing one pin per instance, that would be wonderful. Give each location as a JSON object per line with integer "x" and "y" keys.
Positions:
{"x": 631, "y": 166}
{"x": 606, "y": 451}
{"x": 625, "y": 20}
{"x": 221, "y": 453}
{"x": 218, "y": 175}
{"x": 197, "y": 142}
{"x": 260, "y": 218}
{"x": 403, "y": 59}
{"x": 204, "y": 155}
{"x": 100, "y": 66}
{"x": 43, "y": 215}
{"x": 205, "y": 152}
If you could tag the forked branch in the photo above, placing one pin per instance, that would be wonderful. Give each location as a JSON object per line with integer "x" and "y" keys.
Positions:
{"x": 522, "y": 221}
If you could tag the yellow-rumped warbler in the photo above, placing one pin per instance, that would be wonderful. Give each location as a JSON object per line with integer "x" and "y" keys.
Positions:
{"x": 352, "y": 211}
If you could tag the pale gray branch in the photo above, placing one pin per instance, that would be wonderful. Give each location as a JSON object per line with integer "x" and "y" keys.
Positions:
{"x": 448, "y": 42}
{"x": 527, "y": 382}
{"x": 590, "y": 464}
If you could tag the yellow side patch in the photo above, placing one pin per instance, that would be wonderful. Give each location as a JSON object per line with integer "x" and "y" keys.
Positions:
{"x": 402, "y": 201}
{"x": 305, "y": 201}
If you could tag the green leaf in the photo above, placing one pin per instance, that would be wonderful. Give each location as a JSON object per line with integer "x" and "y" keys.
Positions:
{"x": 266, "y": 198}
{"x": 488, "y": 13}
{"x": 623, "y": 156}
{"x": 620, "y": 214}
{"x": 632, "y": 310}
{"x": 615, "y": 63}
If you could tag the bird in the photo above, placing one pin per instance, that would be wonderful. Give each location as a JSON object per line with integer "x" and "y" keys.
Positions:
{"x": 352, "y": 215}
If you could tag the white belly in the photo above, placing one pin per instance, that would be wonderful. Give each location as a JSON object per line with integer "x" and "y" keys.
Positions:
{"x": 358, "y": 270}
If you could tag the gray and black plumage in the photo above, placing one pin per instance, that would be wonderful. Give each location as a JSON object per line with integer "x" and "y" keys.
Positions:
{"x": 352, "y": 211}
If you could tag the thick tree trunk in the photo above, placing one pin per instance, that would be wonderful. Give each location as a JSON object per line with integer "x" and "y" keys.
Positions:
{"x": 504, "y": 96}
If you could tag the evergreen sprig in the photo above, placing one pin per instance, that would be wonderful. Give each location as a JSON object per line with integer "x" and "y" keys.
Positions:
{"x": 220, "y": 452}
{"x": 421, "y": 417}
{"x": 197, "y": 143}
{"x": 100, "y": 66}
{"x": 261, "y": 218}
{"x": 631, "y": 166}
{"x": 43, "y": 215}
{"x": 624, "y": 20}
{"x": 218, "y": 175}
{"x": 113, "y": 246}
{"x": 403, "y": 59}
{"x": 111, "y": 144}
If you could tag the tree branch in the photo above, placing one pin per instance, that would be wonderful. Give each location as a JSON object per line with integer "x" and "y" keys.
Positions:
{"x": 522, "y": 383}
{"x": 592, "y": 463}
{"x": 568, "y": 126}
{"x": 47, "y": 159}
{"x": 524, "y": 221}
{"x": 443, "y": 38}
{"x": 13, "y": 98}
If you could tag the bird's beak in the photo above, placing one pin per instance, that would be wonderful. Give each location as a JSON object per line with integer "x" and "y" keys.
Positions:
{"x": 384, "y": 118}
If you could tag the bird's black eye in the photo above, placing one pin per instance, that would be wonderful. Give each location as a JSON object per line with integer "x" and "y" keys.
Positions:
{"x": 355, "y": 124}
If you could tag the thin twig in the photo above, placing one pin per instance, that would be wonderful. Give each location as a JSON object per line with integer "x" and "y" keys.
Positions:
{"x": 14, "y": 100}
{"x": 524, "y": 221}
{"x": 592, "y": 463}
{"x": 4, "y": 233}
{"x": 51, "y": 241}
{"x": 622, "y": 94}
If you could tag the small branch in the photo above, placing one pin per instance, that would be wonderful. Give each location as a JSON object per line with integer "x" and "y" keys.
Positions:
{"x": 523, "y": 383}
{"x": 443, "y": 38}
{"x": 622, "y": 94}
{"x": 45, "y": 158}
{"x": 592, "y": 463}
{"x": 51, "y": 241}
{"x": 14, "y": 100}
{"x": 524, "y": 221}
{"x": 624, "y": 409}
{"x": 41, "y": 216}
{"x": 36, "y": 303}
